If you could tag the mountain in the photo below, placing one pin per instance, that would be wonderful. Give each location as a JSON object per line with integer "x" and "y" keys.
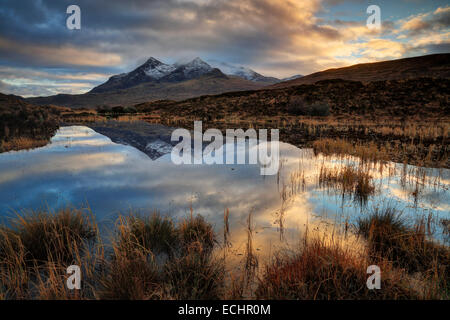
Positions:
{"x": 155, "y": 80}
{"x": 151, "y": 71}
{"x": 194, "y": 69}
{"x": 156, "y": 71}
{"x": 433, "y": 66}
{"x": 208, "y": 84}
{"x": 291, "y": 78}
{"x": 243, "y": 72}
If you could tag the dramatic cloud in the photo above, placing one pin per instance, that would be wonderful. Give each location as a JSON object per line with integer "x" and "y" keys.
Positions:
{"x": 275, "y": 37}
{"x": 431, "y": 21}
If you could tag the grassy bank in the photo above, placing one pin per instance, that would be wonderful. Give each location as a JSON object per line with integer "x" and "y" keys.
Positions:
{"x": 416, "y": 141}
{"x": 408, "y": 247}
{"x": 154, "y": 257}
{"x": 24, "y": 126}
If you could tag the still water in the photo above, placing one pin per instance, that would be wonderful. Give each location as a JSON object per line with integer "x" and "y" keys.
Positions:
{"x": 81, "y": 167}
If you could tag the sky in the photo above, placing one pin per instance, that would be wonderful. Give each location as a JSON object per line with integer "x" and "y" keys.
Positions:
{"x": 40, "y": 56}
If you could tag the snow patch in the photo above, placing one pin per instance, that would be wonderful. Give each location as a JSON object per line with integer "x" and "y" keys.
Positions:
{"x": 159, "y": 146}
{"x": 159, "y": 71}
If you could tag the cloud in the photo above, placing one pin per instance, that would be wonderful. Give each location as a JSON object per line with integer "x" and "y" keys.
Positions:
{"x": 430, "y": 21}
{"x": 58, "y": 56}
{"x": 381, "y": 49}
{"x": 275, "y": 37}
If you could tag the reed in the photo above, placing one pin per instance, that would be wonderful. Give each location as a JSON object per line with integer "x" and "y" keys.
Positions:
{"x": 154, "y": 233}
{"x": 33, "y": 266}
{"x": 407, "y": 246}
{"x": 348, "y": 180}
{"x": 323, "y": 271}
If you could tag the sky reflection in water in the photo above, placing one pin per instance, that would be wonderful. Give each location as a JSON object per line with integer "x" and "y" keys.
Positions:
{"x": 81, "y": 166}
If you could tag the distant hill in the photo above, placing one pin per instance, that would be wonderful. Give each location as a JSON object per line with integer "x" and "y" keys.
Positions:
{"x": 155, "y": 80}
{"x": 297, "y": 76}
{"x": 10, "y": 100}
{"x": 421, "y": 97}
{"x": 431, "y": 66}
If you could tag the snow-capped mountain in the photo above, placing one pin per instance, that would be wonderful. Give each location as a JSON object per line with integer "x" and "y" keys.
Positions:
{"x": 156, "y": 71}
{"x": 151, "y": 70}
{"x": 194, "y": 69}
{"x": 242, "y": 72}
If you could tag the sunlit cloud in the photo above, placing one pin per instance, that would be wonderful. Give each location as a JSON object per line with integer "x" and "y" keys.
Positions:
{"x": 65, "y": 55}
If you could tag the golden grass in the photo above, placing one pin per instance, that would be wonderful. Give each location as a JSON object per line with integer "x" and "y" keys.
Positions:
{"x": 323, "y": 271}
{"x": 154, "y": 233}
{"x": 348, "y": 179}
{"x": 408, "y": 247}
{"x": 366, "y": 152}
{"x": 36, "y": 248}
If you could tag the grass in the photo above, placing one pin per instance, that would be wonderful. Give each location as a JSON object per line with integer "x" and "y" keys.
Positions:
{"x": 21, "y": 143}
{"x": 366, "y": 152}
{"x": 196, "y": 229}
{"x": 349, "y": 180}
{"x": 37, "y": 247}
{"x": 195, "y": 276}
{"x": 130, "y": 277}
{"x": 154, "y": 257}
{"x": 407, "y": 246}
{"x": 45, "y": 236}
{"x": 154, "y": 233}
{"x": 322, "y": 271}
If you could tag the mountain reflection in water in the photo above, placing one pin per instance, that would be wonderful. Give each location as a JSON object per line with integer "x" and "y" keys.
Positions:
{"x": 81, "y": 167}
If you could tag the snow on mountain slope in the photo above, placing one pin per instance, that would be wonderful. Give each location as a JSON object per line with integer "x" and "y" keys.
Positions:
{"x": 197, "y": 65}
{"x": 159, "y": 71}
{"x": 155, "y": 71}
{"x": 292, "y": 78}
{"x": 242, "y": 72}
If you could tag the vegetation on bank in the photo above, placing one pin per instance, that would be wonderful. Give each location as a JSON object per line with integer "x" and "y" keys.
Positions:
{"x": 23, "y": 126}
{"x": 154, "y": 257}
{"x": 321, "y": 271}
{"x": 403, "y": 121}
{"x": 349, "y": 180}
{"x": 407, "y": 247}
{"x": 425, "y": 97}
{"x": 150, "y": 257}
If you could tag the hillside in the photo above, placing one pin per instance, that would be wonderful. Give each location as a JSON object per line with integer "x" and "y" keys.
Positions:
{"x": 432, "y": 66}
{"x": 421, "y": 97}
{"x": 155, "y": 80}
{"x": 23, "y": 125}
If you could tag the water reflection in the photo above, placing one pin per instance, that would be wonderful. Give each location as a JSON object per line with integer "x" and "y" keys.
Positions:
{"x": 81, "y": 166}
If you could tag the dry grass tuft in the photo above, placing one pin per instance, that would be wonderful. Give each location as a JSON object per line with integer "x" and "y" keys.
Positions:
{"x": 408, "y": 247}
{"x": 321, "y": 271}
{"x": 349, "y": 180}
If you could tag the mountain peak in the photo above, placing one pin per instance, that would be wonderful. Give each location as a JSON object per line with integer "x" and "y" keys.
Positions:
{"x": 190, "y": 70}
{"x": 197, "y": 62}
{"x": 155, "y": 71}
{"x": 151, "y": 59}
{"x": 151, "y": 63}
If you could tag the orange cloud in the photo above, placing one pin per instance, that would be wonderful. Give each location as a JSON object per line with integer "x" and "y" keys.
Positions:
{"x": 65, "y": 55}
